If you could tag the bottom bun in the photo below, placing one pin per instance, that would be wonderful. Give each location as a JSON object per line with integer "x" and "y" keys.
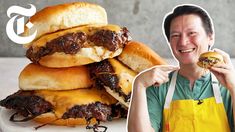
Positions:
{"x": 83, "y": 57}
{"x": 50, "y": 118}
{"x": 206, "y": 66}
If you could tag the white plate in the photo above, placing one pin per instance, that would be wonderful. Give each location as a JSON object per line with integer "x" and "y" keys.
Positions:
{"x": 8, "y": 126}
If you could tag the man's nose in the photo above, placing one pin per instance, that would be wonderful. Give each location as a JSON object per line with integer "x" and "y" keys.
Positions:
{"x": 183, "y": 40}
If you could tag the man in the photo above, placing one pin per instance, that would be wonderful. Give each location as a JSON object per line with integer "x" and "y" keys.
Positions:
{"x": 185, "y": 98}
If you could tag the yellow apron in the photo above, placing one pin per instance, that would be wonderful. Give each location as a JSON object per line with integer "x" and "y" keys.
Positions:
{"x": 207, "y": 115}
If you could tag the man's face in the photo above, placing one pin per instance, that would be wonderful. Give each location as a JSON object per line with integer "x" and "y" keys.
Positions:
{"x": 188, "y": 38}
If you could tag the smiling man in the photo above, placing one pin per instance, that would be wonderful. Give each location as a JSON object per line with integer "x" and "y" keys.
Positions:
{"x": 187, "y": 98}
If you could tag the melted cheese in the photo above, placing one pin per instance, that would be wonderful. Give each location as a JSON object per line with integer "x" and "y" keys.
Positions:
{"x": 64, "y": 100}
{"x": 124, "y": 74}
{"x": 87, "y": 29}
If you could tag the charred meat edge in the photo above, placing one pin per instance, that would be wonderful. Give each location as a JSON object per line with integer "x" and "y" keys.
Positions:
{"x": 29, "y": 105}
{"x": 103, "y": 75}
{"x": 71, "y": 43}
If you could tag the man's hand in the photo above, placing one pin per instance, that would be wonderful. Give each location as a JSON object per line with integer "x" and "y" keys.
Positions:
{"x": 156, "y": 75}
{"x": 225, "y": 72}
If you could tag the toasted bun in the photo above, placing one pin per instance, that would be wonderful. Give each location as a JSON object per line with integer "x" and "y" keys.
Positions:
{"x": 139, "y": 57}
{"x": 50, "y": 118}
{"x": 125, "y": 77}
{"x": 63, "y": 16}
{"x": 36, "y": 77}
{"x": 213, "y": 56}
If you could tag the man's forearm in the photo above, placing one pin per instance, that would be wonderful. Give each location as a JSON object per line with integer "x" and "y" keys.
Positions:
{"x": 232, "y": 92}
{"x": 138, "y": 115}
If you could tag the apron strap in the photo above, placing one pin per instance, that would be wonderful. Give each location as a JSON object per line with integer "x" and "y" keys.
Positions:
{"x": 216, "y": 89}
{"x": 171, "y": 90}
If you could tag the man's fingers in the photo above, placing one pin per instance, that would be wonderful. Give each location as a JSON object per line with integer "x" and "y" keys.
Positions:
{"x": 166, "y": 68}
{"x": 158, "y": 83}
{"x": 159, "y": 77}
{"x": 225, "y": 55}
{"x": 222, "y": 65}
{"x": 218, "y": 70}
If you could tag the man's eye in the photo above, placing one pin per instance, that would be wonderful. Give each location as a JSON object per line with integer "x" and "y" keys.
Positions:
{"x": 192, "y": 33}
{"x": 175, "y": 35}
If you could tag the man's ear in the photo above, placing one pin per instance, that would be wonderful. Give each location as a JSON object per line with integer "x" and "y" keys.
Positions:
{"x": 211, "y": 38}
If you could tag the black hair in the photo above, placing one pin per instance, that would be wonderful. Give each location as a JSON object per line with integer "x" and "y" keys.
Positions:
{"x": 185, "y": 10}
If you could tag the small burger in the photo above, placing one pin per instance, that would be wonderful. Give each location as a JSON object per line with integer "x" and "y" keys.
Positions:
{"x": 208, "y": 59}
{"x": 47, "y": 98}
{"x": 74, "y": 34}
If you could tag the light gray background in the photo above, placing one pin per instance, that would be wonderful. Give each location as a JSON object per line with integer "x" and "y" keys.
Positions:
{"x": 142, "y": 17}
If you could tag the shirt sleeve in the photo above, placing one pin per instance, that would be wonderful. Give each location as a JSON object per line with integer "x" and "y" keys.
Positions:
{"x": 154, "y": 107}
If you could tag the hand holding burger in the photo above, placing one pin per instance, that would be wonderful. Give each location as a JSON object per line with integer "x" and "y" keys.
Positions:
{"x": 224, "y": 72}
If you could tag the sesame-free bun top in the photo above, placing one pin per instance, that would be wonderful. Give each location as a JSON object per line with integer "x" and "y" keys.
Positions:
{"x": 63, "y": 16}
{"x": 211, "y": 54}
{"x": 139, "y": 57}
{"x": 208, "y": 59}
{"x": 36, "y": 77}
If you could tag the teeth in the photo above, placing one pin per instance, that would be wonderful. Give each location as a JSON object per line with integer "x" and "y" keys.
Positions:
{"x": 185, "y": 51}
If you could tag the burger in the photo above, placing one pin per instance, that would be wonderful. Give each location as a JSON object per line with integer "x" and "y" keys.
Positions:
{"x": 74, "y": 34}
{"x": 208, "y": 59}
{"x": 47, "y": 98}
{"x": 116, "y": 75}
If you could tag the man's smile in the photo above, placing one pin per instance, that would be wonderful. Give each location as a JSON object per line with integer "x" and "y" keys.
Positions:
{"x": 187, "y": 50}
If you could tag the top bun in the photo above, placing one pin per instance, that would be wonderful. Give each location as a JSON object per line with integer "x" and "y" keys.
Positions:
{"x": 208, "y": 59}
{"x": 212, "y": 54}
{"x": 139, "y": 57}
{"x": 59, "y": 17}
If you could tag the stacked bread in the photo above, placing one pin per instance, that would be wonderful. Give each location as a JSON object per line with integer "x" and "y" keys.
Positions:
{"x": 82, "y": 69}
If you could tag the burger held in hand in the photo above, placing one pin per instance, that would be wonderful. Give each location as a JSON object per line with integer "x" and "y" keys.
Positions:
{"x": 210, "y": 58}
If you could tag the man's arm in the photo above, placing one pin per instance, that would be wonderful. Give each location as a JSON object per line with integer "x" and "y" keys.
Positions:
{"x": 225, "y": 73}
{"x": 138, "y": 115}
{"x": 139, "y": 120}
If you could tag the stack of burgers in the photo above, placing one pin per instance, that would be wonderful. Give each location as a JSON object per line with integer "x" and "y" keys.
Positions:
{"x": 82, "y": 68}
